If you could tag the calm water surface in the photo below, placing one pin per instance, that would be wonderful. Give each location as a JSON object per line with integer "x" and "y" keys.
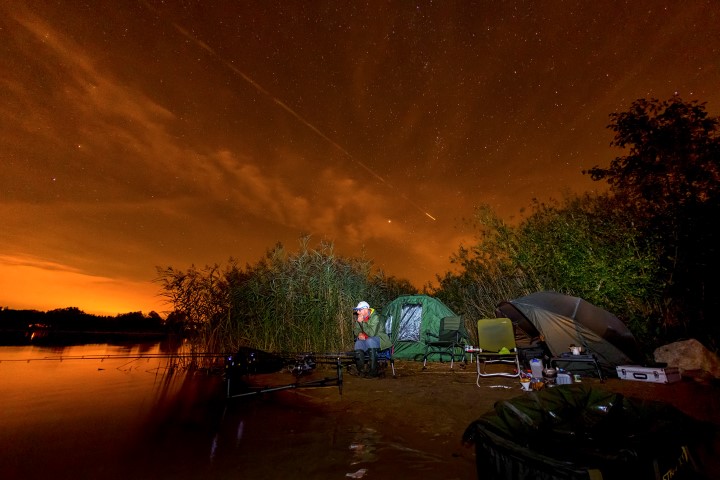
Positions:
{"x": 112, "y": 418}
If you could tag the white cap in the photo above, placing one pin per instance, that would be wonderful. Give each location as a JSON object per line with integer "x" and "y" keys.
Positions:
{"x": 362, "y": 305}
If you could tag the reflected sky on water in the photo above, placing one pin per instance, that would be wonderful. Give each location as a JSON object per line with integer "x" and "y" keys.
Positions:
{"x": 131, "y": 418}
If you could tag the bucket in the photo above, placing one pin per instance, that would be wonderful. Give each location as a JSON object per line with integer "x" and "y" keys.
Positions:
{"x": 536, "y": 367}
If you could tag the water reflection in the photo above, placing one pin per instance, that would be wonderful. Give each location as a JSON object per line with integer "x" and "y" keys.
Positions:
{"x": 128, "y": 411}
{"x": 94, "y": 411}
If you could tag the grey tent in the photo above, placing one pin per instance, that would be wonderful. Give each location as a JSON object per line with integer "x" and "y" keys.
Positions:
{"x": 409, "y": 318}
{"x": 564, "y": 320}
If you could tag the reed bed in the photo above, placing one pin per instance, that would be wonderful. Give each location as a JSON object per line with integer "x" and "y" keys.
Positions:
{"x": 288, "y": 302}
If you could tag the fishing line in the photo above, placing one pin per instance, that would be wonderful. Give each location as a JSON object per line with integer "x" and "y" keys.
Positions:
{"x": 131, "y": 357}
{"x": 184, "y": 32}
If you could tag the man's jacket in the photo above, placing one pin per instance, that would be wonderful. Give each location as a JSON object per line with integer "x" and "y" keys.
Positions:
{"x": 374, "y": 326}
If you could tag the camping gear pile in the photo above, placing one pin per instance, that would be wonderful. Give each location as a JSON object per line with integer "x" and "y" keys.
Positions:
{"x": 553, "y": 327}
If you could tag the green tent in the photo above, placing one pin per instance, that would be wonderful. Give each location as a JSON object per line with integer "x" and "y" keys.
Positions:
{"x": 409, "y": 319}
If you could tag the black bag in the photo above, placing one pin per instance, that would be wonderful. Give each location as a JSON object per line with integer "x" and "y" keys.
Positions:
{"x": 528, "y": 353}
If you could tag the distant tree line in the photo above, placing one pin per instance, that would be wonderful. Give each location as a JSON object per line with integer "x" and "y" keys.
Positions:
{"x": 646, "y": 250}
{"x": 75, "y": 320}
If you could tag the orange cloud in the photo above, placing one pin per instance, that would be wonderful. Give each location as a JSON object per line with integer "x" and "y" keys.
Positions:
{"x": 32, "y": 283}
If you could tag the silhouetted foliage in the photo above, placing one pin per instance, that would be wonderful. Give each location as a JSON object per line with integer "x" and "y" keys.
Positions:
{"x": 582, "y": 248}
{"x": 669, "y": 182}
{"x": 573, "y": 247}
{"x": 72, "y": 319}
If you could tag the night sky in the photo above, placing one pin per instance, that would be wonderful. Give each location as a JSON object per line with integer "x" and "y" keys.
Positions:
{"x": 136, "y": 135}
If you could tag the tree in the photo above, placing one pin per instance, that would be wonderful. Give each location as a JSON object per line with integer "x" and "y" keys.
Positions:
{"x": 574, "y": 246}
{"x": 669, "y": 181}
{"x": 672, "y": 162}
{"x": 581, "y": 247}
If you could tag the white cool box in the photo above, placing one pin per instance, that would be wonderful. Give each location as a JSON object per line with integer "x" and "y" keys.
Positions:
{"x": 648, "y": 374}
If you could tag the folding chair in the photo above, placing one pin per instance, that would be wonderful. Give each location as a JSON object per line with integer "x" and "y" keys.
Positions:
{"x": 450, "y": 339}
{"x": 496, "y": 344}
{"x": 385, "y": 357}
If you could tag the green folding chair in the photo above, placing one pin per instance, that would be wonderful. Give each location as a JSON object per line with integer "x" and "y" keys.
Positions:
{"x": 450, "y": 341}
{"x": 496, "y": 344}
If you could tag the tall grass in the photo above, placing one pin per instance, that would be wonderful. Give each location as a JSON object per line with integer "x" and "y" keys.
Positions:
{"x": 298, "y": 302}
{"x": 288, "y": 302}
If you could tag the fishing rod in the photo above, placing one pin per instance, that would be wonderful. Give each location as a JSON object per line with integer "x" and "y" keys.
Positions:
{"x": 139, "y": 356}
{"x": 327, "y": 358}
{"x": 243, "y": 363}
{"x": 252, "y": 361}
{"x": 325, "y": 382}
{"x": 248, "y": 361}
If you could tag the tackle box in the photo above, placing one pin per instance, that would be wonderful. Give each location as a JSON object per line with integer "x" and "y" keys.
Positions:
{"x": 648, "y": 374}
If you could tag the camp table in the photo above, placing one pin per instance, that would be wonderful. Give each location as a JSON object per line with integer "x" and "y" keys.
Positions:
{"x": 583, "y": 358}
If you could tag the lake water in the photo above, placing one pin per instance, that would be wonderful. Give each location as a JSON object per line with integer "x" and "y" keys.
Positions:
{"x": 101, "y": 413}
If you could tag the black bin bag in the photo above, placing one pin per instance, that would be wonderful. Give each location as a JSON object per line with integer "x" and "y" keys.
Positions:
{"x": 579, "y": 432}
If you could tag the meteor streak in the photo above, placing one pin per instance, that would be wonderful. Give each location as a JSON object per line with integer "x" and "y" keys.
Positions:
{"x": 284, "y": 106}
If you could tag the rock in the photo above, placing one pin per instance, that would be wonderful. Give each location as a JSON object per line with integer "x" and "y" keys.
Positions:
{"x": 690, "y": 357}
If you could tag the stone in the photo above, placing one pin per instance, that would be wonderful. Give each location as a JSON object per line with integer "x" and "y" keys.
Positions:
{"x": 690, "y": 357}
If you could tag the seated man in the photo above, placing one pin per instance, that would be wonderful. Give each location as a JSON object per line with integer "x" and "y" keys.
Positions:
{"x": 370, "y": 336}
